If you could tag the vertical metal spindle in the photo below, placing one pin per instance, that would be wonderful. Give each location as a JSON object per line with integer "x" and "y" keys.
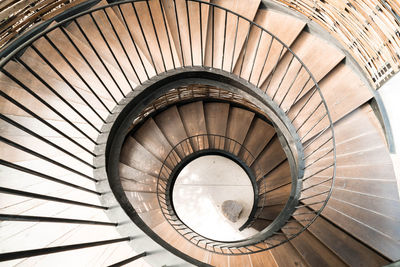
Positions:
{"x": 156, "y": 34}
{"x": 122, "y": 45}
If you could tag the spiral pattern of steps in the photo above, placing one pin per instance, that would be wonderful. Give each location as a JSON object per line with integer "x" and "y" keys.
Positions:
{"x": 64, "y": 92}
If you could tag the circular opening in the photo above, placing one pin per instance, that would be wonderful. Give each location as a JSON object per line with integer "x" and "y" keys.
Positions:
{"x": 199, "y": 191}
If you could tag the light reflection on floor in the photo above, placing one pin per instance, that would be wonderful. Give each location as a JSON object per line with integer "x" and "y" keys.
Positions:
{"x": 199, "y": 191}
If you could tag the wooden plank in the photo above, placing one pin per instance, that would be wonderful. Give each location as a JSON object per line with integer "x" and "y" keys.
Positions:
{"x": 313, "y": 251}
{"x": 286, "y": 255}
{"x": 349, "y": 249}
{"x": 151, "y": 138}
{"x": 216, "y": 48}
{"x": 135, "y": 155}
{"x": 170, "y": 123}
{"x": 216, "y": 115}
{"x": 283, "y": 26}
{"x": 310, "y": 49}
{"x": 263, "y": 259}
{"x": 272, "y": 155}
{"x": 277, "y": 177}
{"x": 239, "y": 122}
{"x": 258, "y": 136}
{"x": 194, "y": 122}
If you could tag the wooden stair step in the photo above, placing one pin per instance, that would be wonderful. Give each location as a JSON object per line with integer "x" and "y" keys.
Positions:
{"x": 312, "y": 250}
{"x": 239, "y": 261}
{"x": 142, "y": 201}
{"x": 132, "y": 186}
{"x": 264, "y": 258}
{"x": 216, "y": 115}
{"x": 349, "y": 249}
{"x": 194, "y": 122}
{"x": 258, "y": 136}
{"x": 187, "y": 34}
{"x": 262, "y": 49}
{"x": 310, "y": 49}
{"x": 287, "y": 255}
{"x": 169, "y": 234}
{"x": 135, "y": 155}
{"x": 379, "y": 241}
{"x": 226, "y": 43}
{"x": 276, "y": 178}
{"x": 171, "y": 125}
{"x": 277, "y": 196}
{"x": 153, "y": 218}
{"x": 239, "y": 122}
{"x": 271, "y": 212}
{"x": 135, "y": 175}
{"x": 155, "y": 41}
{"x": 260, "y": 224}
{"x": 272, "y": 155}
{"x": 151, "y": 138}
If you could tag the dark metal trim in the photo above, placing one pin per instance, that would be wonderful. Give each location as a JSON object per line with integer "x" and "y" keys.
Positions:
{"x": 44, "y": 251}
{"x": 24, "y": 218}
{"x": 121, "y": 263}
{"x": 49, "y": 198}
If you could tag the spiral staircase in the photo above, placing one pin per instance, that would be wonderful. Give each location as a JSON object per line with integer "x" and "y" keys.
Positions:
{"x": 102, "y": 109}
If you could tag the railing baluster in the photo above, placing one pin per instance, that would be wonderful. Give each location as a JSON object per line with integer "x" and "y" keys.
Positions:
{"x": 30, "y": 151}
{"x": 131, "y": 259}
{"x": 190, "y": 33}
{"x": 25, "y": 218}
{"x": 23, "y": 128}
{"x": 155, "y": 33}
{"x": 111, "y": 51}
{"x": 223, "y": 47}
{"x": 48, "y": 250}
{"x": 79, "y": 76}
{"x": 50, "y": 125}
{"x": 49, "y": 198}
{"x": 88, "y": 64}
{"x": 122, "y": 46}
{"x": 234, "y": 43}
{"x": 47, "y": 177}
{"x": 265, "y": 61}
{"x": 255, "y": 55}
{"x": 98, "y": 56}
{"x": 179, "y": 34}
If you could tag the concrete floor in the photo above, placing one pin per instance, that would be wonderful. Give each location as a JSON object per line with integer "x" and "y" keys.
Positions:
{"x": 201, "y": 188}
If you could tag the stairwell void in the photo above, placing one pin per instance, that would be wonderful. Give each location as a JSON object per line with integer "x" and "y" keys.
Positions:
{"x": 102, "y": 110}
